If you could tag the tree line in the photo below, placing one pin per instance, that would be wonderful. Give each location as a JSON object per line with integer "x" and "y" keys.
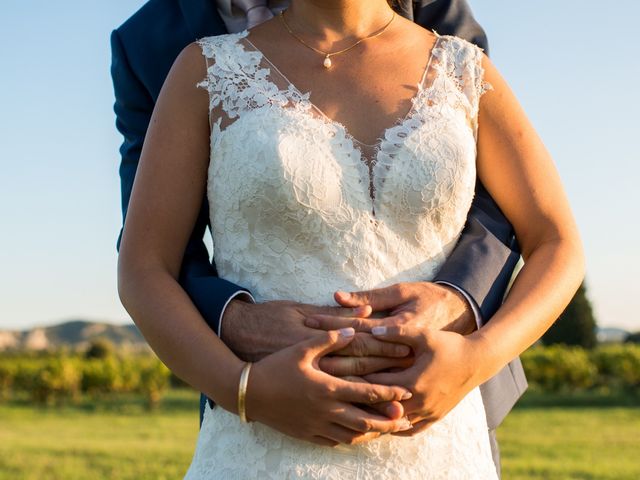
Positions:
{"x": 57, "y": 377}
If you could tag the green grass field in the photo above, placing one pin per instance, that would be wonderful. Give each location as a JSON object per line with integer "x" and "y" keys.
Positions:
{"x": 118, "y": 439}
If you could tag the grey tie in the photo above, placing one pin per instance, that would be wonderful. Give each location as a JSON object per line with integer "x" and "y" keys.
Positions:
{"x": 257, "y": 11}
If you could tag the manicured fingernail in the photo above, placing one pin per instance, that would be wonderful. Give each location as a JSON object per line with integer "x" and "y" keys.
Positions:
{"x": 379, "y": 330}
{"x": 402, "y": 350}
{"x": 347, "y": 332}
{"x": 407, "y": 395}
{"x": 312, "y": 323}
{"x": 405, "y": 425}
{"x": 345, "y": 295}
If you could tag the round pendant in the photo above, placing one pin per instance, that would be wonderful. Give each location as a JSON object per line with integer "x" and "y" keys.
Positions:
{"x": 327, "y": 62}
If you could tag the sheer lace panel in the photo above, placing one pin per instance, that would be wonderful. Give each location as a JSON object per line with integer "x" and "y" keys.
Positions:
{"x": 241, "y": 78}
{"x": 368, "y": 153}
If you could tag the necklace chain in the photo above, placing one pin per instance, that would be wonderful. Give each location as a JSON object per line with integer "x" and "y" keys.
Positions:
{"x": 327, "y": 60}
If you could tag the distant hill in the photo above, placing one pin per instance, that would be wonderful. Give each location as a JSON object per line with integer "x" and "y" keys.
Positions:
{"x": 611, "y": 335}
{"x": 75, "y": 334}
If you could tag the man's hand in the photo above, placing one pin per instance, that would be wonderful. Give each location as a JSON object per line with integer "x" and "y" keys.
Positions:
{"x": 445, "y": 370}
{"x": 253, "y": 331}
{"x": 422, "y": 305}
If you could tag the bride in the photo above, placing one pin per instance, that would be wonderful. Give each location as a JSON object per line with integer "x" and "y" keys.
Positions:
{"x": 339, "y": 146}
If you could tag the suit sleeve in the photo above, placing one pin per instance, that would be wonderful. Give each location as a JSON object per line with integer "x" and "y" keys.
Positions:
{"x": 133, "y": 107}
{"x": 484, "y": 258}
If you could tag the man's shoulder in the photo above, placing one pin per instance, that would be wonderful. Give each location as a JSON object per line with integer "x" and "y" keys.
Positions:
{"x": 152, "y": 38}
{"x": 154, "y": 35}
{"x": 152, "y": 11}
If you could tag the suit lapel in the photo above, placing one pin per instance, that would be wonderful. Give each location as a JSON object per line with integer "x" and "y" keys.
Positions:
{"x": 202, "y": 18}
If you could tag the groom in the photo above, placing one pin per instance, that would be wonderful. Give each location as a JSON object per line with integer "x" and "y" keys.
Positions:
{"x": 467, "y": 291}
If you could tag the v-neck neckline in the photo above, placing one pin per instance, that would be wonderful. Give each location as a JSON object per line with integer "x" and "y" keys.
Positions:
{"x": 346, "y": 130}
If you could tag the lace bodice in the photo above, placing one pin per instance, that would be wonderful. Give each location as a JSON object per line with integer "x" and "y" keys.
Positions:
{"x": 299, "y": 209}
{"x": 293, "y": 196}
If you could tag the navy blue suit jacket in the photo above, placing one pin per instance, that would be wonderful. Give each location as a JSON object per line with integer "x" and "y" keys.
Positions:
{"x": 144, "y": 49}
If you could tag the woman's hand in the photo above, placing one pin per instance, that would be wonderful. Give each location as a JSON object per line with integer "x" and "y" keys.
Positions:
{"x": 289, "y": 392}
{"x": 444, "y": 371}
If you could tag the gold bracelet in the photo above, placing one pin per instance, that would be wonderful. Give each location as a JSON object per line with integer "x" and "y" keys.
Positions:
{"x": 242, "y": 392}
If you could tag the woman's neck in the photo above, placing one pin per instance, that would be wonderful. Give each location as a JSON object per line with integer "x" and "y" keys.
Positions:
{"x": 329, "y": 21}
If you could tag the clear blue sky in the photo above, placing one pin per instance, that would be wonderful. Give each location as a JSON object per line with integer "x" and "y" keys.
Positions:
{"x": 574, "y": 67}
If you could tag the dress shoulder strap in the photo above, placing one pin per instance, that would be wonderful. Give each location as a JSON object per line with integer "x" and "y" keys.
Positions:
{"x": 228, "y": 67}
{"x": 461, "y": 62}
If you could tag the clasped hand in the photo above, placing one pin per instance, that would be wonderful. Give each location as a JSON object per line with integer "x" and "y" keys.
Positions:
{"x": 289, "y": 392}
{"x": 300, "y": 364}
{"x": 430, "y": 319}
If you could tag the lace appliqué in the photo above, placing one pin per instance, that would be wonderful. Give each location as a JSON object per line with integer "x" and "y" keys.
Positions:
{"x": 235, "y": 79}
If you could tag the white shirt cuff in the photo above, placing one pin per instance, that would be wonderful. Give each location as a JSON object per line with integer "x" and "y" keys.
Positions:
{"x": 238, "y": 293}
{"x": 470, "y": 301}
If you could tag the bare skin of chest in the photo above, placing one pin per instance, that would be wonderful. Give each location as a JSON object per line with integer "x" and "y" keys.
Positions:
{"x": 368, "y": 88}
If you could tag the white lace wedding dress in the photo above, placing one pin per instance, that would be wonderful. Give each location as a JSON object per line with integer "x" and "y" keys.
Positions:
{"x": 300, "y": 209}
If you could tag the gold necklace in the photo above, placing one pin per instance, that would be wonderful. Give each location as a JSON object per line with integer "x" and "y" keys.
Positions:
{"x": 327, "y": 56}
